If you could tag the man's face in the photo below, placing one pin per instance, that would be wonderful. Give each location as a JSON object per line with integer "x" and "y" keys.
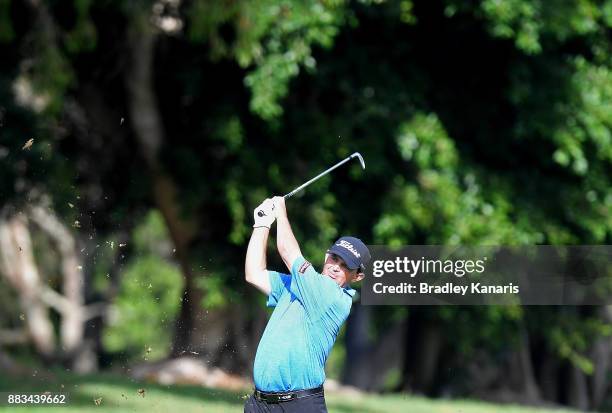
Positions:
{"x": 335, "y": 268}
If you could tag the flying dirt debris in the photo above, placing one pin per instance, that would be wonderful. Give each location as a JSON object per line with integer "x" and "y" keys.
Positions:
{"x": 28, "y": 144}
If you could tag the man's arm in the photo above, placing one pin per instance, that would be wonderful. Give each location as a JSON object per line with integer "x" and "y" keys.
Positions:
{"x": 287, "y": 245}
{"x": 255, "y": 271}
{"x": 316, "y": 293}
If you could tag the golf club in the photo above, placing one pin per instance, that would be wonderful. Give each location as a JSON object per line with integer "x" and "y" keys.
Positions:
{"x": 305, "y": 184}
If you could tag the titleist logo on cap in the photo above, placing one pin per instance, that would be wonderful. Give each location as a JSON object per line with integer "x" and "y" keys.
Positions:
{"x": 349, "y": 246}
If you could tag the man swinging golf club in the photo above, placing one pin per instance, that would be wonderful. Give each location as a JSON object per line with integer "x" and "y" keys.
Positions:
{"x": 310, "y": 308}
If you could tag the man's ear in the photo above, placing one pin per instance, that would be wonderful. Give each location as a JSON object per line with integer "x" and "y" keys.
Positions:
{"x": 358, "y": 277}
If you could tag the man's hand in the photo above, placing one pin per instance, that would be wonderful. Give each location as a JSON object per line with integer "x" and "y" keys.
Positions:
{"x": 280, "y": 210}
{"x": 264, "y": 214}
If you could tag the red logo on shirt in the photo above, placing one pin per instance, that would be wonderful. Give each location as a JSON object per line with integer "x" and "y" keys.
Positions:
{"x": 304, "y": 267}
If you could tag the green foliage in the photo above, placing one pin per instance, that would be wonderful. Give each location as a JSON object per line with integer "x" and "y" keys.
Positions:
{"x": 588, "y": 118}
{"x": 151, "y": 235}
{"x": 215, "y": 293}
{"x": 450, "y": 201}
{"x": 572, "y": 335}
{"x": 297, "y": 27}
{"x": 393, "y": 379}
{"x": 145, "y": 309}
{"x": 276, "y": 37}
{"x": 83, "y": 36}
{"x": 578, "y": 124}
{"x": 7, "y": 34}
{"x": 149, "y": 299}
{"x": 238, "y": 213}
{"x": 51, "y": 73}
{"x": 495, "y": 328}
{"x": 527, "y": 22}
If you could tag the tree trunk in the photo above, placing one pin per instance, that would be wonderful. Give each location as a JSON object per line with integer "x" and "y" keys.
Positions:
{"x": 147, "y": 124}
{"x": 521, "y": 370}
{"x": 602, "y": 360}
{"x": 18, "y": 266}
{"x": 72, "y": 322}
{"x": 549, "y": 376}
{"x": 386, "y": 355}
{"x": 518, "y": 374}
{"x": 577, "y": 391}
{"x": 424, "y": 343}
{"x": 357, "y": 369}
{"x": 181, "y": 233}
{"x": 430, "y": 344}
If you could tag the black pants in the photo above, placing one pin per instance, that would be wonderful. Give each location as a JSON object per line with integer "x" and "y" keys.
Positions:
{"x": 315, "y": 403}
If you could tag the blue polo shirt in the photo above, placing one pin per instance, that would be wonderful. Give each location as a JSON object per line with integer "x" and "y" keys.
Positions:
{"x": 310, "y": 309}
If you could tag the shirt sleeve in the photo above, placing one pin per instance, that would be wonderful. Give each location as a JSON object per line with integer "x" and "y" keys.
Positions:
{"x": 315, "y": 291}
{"x": 279, "y": 284}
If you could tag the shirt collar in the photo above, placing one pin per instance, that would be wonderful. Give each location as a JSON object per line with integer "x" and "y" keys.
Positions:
{"x": 349, "y": 290}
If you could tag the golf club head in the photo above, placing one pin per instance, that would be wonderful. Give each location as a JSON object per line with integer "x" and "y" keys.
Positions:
{"x": 342, "y": 162}
{"x": 358, "y": 156}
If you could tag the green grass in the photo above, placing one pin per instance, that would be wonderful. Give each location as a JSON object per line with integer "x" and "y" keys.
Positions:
{"x": 120, "y": 394}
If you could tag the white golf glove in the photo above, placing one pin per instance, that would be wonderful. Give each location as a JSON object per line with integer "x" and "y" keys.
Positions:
{"x": 264, "y": 215}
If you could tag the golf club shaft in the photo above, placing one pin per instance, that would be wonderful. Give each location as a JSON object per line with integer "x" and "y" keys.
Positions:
{"x": 305, "y": 184}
